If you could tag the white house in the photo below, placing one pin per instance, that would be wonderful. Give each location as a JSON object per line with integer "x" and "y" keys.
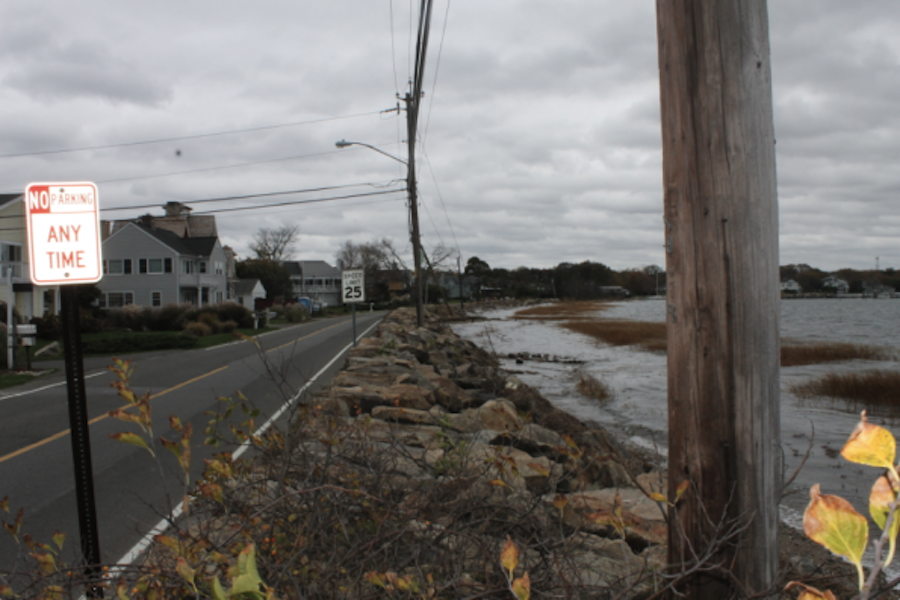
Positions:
{"x": 29, "y": 300}
{"x": 840, "y": 285}
{"x": 173, "y": 259}
{"x": 791, "y": 287}
{"x": 247, "y": 291}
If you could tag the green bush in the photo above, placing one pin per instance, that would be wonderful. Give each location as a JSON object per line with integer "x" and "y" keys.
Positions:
{"x": 228, "y": 327}
{"x": 232, "y": 311}
{"x": 48, "y": 327}
{"x": 211, "y": 320}
{"x": 111, "y": 342}
{"x": 130, "y": 317}
{"x": 170, "y": 317}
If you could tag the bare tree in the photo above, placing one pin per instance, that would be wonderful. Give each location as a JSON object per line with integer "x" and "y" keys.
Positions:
{"x": 276, "y": 243}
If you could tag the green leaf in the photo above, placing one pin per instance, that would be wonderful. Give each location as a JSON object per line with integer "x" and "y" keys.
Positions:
{"x": 247, "y": 579}
{"x": 834, "y": 523}
{"x": 133, "y": 439}
{"x": 59, "y": 539}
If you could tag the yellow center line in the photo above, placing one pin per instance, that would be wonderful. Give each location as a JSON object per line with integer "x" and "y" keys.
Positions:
{"x": 56, "y": 436}
{"x": 65, "y": 432}
{"x": 303, "y": 337}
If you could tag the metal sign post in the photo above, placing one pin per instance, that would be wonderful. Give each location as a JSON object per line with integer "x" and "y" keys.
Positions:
{"x": 64, "y": 249}
{"x": 353, "y": 284}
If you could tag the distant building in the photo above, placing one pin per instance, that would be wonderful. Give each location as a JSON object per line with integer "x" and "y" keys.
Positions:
{"x": 839, "y": 285}
{"x": 791, "y": 287}
{"x": 316, "y": 280}
{"x": 613, "y": 290}
{"x": 28, "y": 299}
{"x": 246, "y": 292}
{"x": 177, "y": 258}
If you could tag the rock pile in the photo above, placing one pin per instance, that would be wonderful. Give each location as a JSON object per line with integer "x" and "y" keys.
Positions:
{"x": 442, "y": 413}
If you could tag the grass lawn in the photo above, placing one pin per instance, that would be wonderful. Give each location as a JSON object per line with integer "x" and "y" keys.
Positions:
{"x": 10, "y": 379}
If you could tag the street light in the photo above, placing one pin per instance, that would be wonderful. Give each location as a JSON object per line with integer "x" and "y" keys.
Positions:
{"x": 414, "y": 218}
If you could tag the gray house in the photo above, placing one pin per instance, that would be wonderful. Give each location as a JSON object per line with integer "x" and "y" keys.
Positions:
{"x": 150, "y": 266}
{"x": 316, "y": 280}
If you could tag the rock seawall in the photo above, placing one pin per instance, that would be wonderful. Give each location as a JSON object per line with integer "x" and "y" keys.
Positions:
{"x": 443, "y": 416}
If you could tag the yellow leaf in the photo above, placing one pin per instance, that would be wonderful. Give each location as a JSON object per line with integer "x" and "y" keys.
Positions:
{"x": 880, "y": 500}
{"x": 521, "y": 587}
{"x": 498, "y": 483}
{"x": 540, "y": 469}
{"x": 809, "y": 592}
{"x": 559, "y": 502}
{"x": 834, "y": 523}
{"x": 59, "y": 539}
{"x": 133, "y": 439}
{"x": 375, "y": 578}
{"x": 681, "y": 489}
{"x": 4, "y": 504}
{"x": 509, "y": 556}
{"x": 46, "y": 561}
{"x": 6, "y": 591}
{"x": 248, "y": 579}
{"x": 657, "y": 497}
{"x": 870, "y": 445}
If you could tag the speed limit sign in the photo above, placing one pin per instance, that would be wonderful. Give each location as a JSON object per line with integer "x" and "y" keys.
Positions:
{"x": 353, "y": 286}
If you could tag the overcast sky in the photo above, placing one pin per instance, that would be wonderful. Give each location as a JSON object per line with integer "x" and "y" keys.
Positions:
{"x": 539, "y": 130}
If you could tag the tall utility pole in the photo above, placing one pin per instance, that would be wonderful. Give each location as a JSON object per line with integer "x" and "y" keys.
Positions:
{"x": 721, "y": 221}
{"x": 412, "y": 111}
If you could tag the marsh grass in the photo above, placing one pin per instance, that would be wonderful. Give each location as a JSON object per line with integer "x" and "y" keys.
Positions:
{"x": 648, "y": 335}
{"x": 590, "y": 386}
{"x": 876, "y": 391}
{"x": 560, "y": 311}
{"x": 793, "y": 354}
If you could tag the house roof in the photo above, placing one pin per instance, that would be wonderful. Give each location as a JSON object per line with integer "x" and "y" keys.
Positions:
{"x": 311, "y": 268}
{"x": 244, "y": 287}
{"x": 196, "y": 246}
{"x": 8, "y": 198}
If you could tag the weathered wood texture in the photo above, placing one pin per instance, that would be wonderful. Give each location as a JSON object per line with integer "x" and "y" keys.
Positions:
{"x": 721, "y": 220}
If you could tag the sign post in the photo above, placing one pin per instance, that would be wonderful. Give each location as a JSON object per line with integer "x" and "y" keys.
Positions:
{"x": 353, "y": 284}
{"x": 64, "y": 249}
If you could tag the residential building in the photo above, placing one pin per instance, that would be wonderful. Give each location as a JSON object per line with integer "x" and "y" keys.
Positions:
{"x": 316, "y": 280}
{"x": 791, "y": 287}
{"x": 247, "y": 291}
{"x": 28, "y": 299}
{"x": 839, "y": 285}
{"x": 154, "y": 261}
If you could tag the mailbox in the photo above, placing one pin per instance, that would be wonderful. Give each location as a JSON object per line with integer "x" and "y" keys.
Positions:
{"x": 27, "y": 334}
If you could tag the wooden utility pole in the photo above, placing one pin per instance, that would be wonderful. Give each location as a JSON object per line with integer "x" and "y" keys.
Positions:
{"x": 721, "y": 221}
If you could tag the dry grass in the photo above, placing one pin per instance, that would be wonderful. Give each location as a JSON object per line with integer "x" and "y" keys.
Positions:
{"x": 793, "y": 355}
{"x": 560, "y": 311}
{"x": 876, "y": 391}
{"x": 650, "y": 336}
{"x": 590, "y": 386}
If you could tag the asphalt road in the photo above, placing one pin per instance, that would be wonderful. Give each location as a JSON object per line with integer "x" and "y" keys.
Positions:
{"x": 134, "y": 491}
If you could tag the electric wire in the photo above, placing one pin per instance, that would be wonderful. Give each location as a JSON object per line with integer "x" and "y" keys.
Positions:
{"x": 247, "y": 196}
{"x": 437, "y": 69}
{"x": 186, "y": 137}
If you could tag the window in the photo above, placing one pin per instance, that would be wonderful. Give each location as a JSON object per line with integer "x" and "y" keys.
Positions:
{"x": 154, "y": 266}
{"x": 187, "y": 267}
{"x": 155, "y": 298}
{"x": 116, "y": 299}
{"x": 117, "y": 266}
{"x": 203, "y": 266}
{"x": 219, "y": 297}
{"x": 220, "y": 267}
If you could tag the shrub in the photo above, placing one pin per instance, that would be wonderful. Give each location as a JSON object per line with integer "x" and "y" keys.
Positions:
{"x": 169, "y": 317}
{"x": 130, "y": 317}
{"x": 228, "y": 327}
{"x": 590, "y": 386}
{"x": 232, "y": 311}
{"x": 198, "y": 329}
{"x": 48, "y": 328}
{"x": 295, "y": 313}
{"x": 105, "y": 343}
{"x": 211, "y": 320}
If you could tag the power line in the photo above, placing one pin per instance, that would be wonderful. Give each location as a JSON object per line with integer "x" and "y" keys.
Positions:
{"x": 313, "y": 201}
{"x": 245, "y": 197}
{"x": 186, "y": 137}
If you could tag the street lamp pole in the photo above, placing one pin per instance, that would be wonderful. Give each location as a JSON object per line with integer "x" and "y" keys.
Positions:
{"x": 413, "y": 205}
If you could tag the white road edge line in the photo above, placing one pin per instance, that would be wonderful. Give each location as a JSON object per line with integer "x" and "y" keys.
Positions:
{"x": 160, "y": 527}
{"x": 46, "y": 387}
